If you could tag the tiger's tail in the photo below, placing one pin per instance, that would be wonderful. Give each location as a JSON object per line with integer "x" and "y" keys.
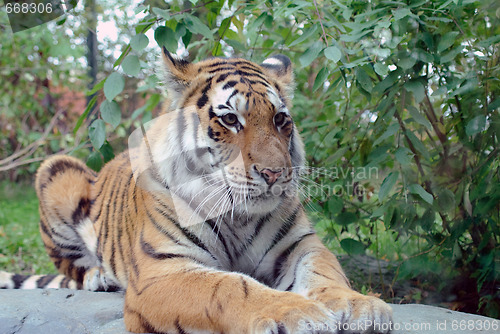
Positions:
{"x": 17, "y": 281}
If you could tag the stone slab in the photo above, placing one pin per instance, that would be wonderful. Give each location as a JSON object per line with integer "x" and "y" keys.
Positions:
{"x": 76, "y": 312}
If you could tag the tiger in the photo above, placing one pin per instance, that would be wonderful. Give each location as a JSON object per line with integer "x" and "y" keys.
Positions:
{"x": 200, "y": 221}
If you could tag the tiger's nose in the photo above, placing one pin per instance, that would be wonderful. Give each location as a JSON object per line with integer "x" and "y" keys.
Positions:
{"x": 270, "y": 176}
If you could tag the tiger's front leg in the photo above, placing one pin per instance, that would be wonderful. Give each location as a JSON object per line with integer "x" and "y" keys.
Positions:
{"x": 311, "y": 270}
{"x": 181, "y": 296}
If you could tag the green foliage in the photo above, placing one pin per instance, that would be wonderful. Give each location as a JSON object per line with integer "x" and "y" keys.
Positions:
{"x": 37, "y": 67}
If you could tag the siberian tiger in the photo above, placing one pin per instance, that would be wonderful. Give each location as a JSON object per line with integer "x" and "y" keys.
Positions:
{"x": 201, "y": 223}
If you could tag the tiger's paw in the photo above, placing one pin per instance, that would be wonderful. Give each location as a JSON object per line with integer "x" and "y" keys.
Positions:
{"x": 293, "y": 314}
{"x": 96, "y": 280}
{"x": 358, "y": 313}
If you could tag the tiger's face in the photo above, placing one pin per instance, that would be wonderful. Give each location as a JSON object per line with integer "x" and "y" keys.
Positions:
{"x": 237, "y": 133}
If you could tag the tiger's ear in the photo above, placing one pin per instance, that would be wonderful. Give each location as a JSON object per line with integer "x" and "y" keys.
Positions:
{"x": 176, "y": 74}
{"x": 279, "y": 67}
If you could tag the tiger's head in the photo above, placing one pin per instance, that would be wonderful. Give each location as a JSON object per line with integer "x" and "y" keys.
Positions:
{"x": 229, "y": 130}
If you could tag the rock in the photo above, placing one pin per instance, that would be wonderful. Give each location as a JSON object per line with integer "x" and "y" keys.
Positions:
{"x": 68, "y": 311}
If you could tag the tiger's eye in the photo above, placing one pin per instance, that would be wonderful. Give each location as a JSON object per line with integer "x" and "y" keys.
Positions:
{"x": 279, "y": 119}
{"x": 230, "y": 119}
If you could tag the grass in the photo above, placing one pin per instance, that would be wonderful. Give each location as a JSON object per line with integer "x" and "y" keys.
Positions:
{"x": 21, "y": 246}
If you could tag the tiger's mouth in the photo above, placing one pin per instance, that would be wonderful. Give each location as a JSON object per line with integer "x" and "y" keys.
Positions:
{"x": 250, "y": 191}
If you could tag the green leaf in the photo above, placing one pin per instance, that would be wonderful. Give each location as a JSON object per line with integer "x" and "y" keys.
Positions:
{"x": 381, "y": 69}
{"x": 131, "y": 65}
{"x": 97, "y": 133}
{"x": 107, "y": 152}
{"x": 346, "y": 218}
{"x": 476, "y": 125}
{"x": 401, "y": 13}
{"x": 364, "y": 79}
{"x": 82, "y": 117}
{"x": 306, "y": 35}
{"x": 353, "y": 247}
{"x": 391, "y": 129}
{"x": 387, "y": 185}
{"x": 419, "y": 118}
{"x": 469, "y": 85}
{"x": 139, "y": 42}
{"x": 406, "y": 62}
{"x": 418, "y": 144}
{"x": 494, "y": 104}
{"x": 404, "y": 156}
{"x": 335, "y": 205}
{"x": 114, "y": 85}
{"x": 224, "y": 25}
{"x": 94, "y": 161}
{"x": 110, "y": 113}
{"x": 450, "y": 55}
{"x": 165, "y": 36}
{"x": 418, "y": 190}
{"x": 446, "y": 200}
{"x": 98, "y": 86}
{"x": 333, "y": 53}
{"x": 417, "y": 88}
{"x": 447, "y": 40}
{"x": 388, "y": 81}
{"x": 489, "y": 41}
{"x": 197, "y": 27}
{"x": 311, "y": 54}
{"x": 165, "y": 13}
{"x": 320, "y": 78}
{"x": 236, "y": 45}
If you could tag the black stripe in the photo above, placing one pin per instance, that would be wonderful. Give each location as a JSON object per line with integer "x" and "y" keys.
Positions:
{"x": 202, "y": 101}
{"x": 229, "y": 84}
{"x": 61, "y": 165}
{"x": 231, "y": 96}
{"x": 283, "y": 257}
{"x": 180, "y": 330}
{"x": 213, "y": 135}
{"x": 264, "y": 81}
{"x": 250, "y": 68}
{"x": 211, "y": 113}
{"x": 216, "y": 289}
{"x": 224, "y": 68}
{"x": 188, "y": 234}
{"x": 80, "y": 274}
{"x": 65, "y": 283}
{"x": 290, "y": 287}
{"x": 285, "y": 228}
{"x": 162, "y": 230}
{"x": 180, "y": 63}
{"x": 143, "y": 322}
{"x": 45, "y": 280}
{"x": 219, "y": 236}
{"x": 151, "y": 252}
{"x": 245, "y": 286}
{"x": 18, "y": 280}
{"x": 222, "y": 77}
{"x": 81, "y": 211}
